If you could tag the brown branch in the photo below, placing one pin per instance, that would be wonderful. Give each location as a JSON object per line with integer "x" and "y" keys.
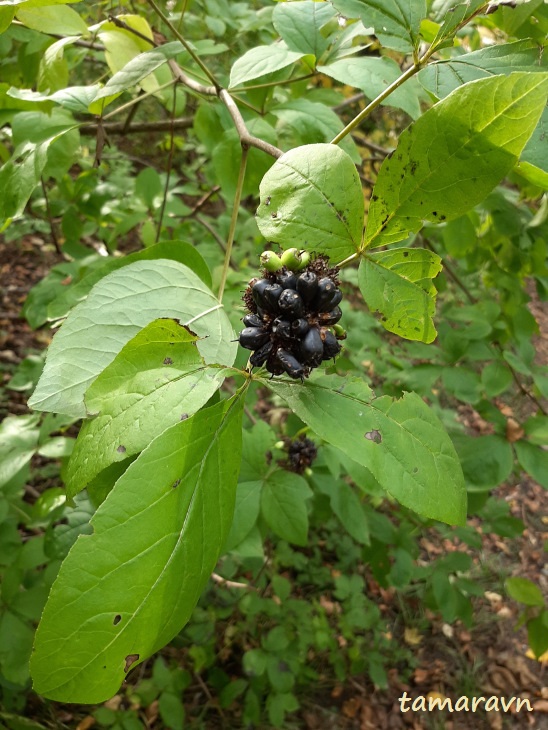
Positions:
{"x": 164, "y": 125}
{"x": 246, "y": 139}
{"x": 347, "y": 102}
{"x": 203, "y": 200}
{"x": 181, "y": 76}
{"x": 121, "y": 24}
{"x": 82, "y": 44}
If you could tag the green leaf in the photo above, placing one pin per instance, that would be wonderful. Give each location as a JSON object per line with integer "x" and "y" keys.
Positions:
{"x": 283, "y": 506}
{"x": 396, "y": 22}
{"x": 398, "y": 284}
{"x": 15, "y": 647}
{"x": 496, "y": 378}
{"x": 139, "y": 68}
{"x": 34, "y": 3}
{"x": 19, "y": 176}
{"x": 312, "y": 198}
{"x": 536, "y": 429}
{"x": 158, "y": 535}
{"x": 536, "y": 150}
{"x": 524, "y": 591}
{"x": 18, "y": 442}
{"x": 443, "y": 77}
{"x": 172, "y": 711}
{"x": 261, "y": 61}
{"x": 57, "y": 19}
{"x": 372, "y": 75}
{"x": 156, "y": 380}
{"x": 180, "y": 251}
{"x": 534, "y": 461}
{"x": 455, "y": 154}
{"x": 537, "y": 633}
{"x": 451, "y": 14}
{"x": 400, "y": 441}
{"x": 346, "y": 505}
{"x": 462, "y": 382}
{"x": 6, "y": 16}
{"x": 299, "y": 24}
{"x": 301, "y": 121}
{"x": 246, "y": 512}
{"x": 116, "y": 309}
{"x": 486, "y": 461}
{"x": 74, "y": 98}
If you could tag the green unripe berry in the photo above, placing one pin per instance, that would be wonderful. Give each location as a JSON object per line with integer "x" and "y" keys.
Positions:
{"x": 340, "y": 332}
{"x": 305, "y": 260}
{"x": 291, "y": 259}
{"x": 271, "y": 261}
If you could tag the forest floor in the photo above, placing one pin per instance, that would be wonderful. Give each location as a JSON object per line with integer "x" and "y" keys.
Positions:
{"x": 489, "y": 659}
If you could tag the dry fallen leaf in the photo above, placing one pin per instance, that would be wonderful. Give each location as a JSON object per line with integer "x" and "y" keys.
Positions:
{"x": 543, "y": 658}
{"x": 86, "y": 723}
{"x": 412, "y": 637}
{"x": 514, "y": 432}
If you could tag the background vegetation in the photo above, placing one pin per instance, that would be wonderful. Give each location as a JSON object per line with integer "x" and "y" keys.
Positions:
{"x": 111, "y": 158}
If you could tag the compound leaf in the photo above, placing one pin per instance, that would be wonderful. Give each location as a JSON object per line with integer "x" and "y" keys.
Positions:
{"x": 127, "y": 589}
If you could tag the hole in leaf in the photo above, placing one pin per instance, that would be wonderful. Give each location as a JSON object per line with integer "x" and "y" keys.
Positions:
{"x": 374, "y": 436}
{"x": 121, "y": 449}
{"x": 130, "y": 659}
{"x": 117, "y": 619}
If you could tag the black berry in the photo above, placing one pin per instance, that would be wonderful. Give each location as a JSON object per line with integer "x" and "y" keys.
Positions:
{"x": 289, "y": 315}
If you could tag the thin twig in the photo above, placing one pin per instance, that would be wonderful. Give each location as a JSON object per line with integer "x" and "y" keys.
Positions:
{"x": 233, "y": 221}
{"x": 50, "y": 219}
{"x": 169, "y": 166}
{"x": 178, "y": 72}
{"x": 203, "y": 200}
{"x": 82, "y": 44}
{"x": 121, "y": 24}
{"x": 207, "y": 225}
{"x": 164, "y": 125}
{"x": 231, "y": 583}
{"x": 370, "y": 145}
{"x": 186, "y": 45}
{"x": 246, "y": 138}
{"x": 133, "y": 111}
{"x": 347, "y": 102}
{"x": 267, "y": 85}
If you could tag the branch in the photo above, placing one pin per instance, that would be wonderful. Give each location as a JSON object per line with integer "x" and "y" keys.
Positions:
{"x": 246, "y": 139}
{"x": 181, "y": 76}
{"x": 164, "y": 125}
{"x": 187, "y": 47}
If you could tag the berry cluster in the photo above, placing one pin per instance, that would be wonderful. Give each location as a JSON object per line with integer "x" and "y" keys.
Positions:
{"x": 300, "y": 454}
{"x": 290, "y": 313}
